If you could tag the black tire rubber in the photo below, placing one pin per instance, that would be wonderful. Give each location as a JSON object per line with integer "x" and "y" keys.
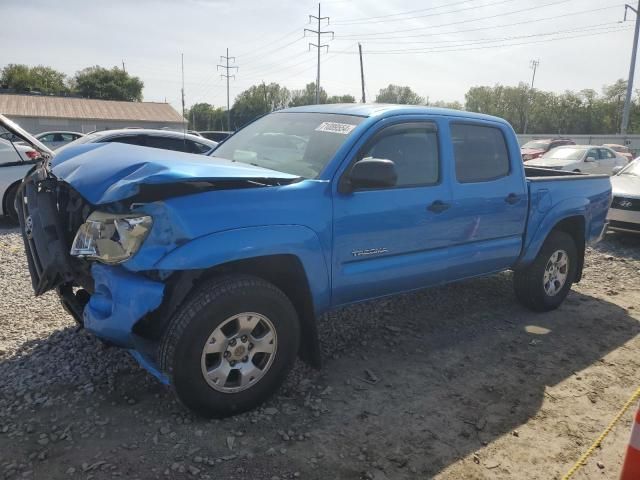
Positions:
{"x": 209, "y": 305}
{"x": 9, "y": 204}
{"x": 528, "y": 282}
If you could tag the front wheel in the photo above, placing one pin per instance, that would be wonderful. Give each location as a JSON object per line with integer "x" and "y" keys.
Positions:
{"x": 545, "y": 283}
{"x": 231, "y": 345}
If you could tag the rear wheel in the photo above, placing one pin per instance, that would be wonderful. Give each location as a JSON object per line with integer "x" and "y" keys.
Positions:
{"x": 230, "y": 346}
{"x": 545, "y": 283}
{"x": 9, "y": 203}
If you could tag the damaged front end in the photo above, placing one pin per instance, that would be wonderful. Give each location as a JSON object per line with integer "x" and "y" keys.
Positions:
{"x": 105, "y": 299}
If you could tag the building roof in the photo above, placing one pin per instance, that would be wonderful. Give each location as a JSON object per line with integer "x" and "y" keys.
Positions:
{"x": 84, "y": 108}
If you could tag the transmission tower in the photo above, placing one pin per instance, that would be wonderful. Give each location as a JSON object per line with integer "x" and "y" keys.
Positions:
{"x": 226, "y": 75}
{"x": 318, "y": 45}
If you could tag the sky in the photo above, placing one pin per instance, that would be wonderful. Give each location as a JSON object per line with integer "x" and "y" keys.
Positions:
{"x": 439, "y": 48}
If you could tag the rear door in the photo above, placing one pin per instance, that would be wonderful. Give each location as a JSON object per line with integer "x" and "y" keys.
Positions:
{"x": 489, "y": 199}
{"x": 388, "y": 240}
{"x": 608, "y": 160}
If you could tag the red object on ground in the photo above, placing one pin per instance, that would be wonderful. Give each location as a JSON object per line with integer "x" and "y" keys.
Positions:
{"x": 631, "y": 465}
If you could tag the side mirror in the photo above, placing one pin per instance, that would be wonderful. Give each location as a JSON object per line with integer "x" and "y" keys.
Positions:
{"x": 373, "y": 173}
{"x": 590, "y": 159}
{"x": 617, "y": 170}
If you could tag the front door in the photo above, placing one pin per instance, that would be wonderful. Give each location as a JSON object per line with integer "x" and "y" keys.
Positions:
{"x": 388, "y": 240}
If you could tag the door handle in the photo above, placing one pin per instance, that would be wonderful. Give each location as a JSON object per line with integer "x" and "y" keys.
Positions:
{"x": 438, "y": 206}
{"x": 512, "y": 199}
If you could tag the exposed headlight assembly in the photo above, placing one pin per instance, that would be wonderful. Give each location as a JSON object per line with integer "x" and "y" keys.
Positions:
{"x": 111, "y": 238}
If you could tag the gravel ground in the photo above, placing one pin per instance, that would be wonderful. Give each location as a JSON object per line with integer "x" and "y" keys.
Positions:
{"x": 450, "y": 383}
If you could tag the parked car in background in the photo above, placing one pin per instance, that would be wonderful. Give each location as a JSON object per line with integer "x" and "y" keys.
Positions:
{"x": 213, "y": 271}
{"x": 216, "y": 135}
{"x": 193, "y": 132}
{"x": 580, "y": 158}
{"x": 55, "y": 140}
{"x": 537, "y": 148}
{"x": 624, "y": 213}
{"x": 15, "y": 161}
{"x": 164, "y": 139}
{"x": 621, "y": 150}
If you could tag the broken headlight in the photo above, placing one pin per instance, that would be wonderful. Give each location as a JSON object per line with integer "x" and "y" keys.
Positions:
{"x": 111, "y": 238}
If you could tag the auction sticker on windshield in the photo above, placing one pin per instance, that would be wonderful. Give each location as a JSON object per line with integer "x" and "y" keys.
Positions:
{"x": 334, "y": 127}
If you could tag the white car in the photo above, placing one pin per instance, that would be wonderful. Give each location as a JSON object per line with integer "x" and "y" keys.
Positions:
{"x": 15, "y": 160}
{"x": 580, "y": 158}
{"x": 57, "y": 139}
{"x": 624, "y": 213}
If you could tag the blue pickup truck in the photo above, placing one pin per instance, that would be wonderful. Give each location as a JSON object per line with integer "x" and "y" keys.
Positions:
{"x": 213, "y": 271}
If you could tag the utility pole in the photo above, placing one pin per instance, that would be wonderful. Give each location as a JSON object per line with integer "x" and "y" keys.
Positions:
{"x": 227, "y": 76}
{"x": 632, "y": 68}
{"x": 534, "y": 65}
{"x": 364, "y": 98}
{"x": 123, "y": 69}
{"x": 182, "y": 91}
{"x": 318, "y": 45}
{"x": 264, "y": 95}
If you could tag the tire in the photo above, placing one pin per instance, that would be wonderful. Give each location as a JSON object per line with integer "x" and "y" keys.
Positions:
{"x": 576, "y": 171}
{"x": 530, "y": 283}
{"x": 218, "y": 307}
{"x": 9, "y": 204}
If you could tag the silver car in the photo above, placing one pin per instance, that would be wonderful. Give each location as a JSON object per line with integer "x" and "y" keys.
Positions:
{"x": 624, "y": 213}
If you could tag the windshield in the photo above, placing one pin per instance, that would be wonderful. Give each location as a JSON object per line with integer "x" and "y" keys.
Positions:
{"x": 536, "y": 145}
{"x": 296, "y": 143}
{"x": 632, "y": 169}
{"x": 565, "y": 153}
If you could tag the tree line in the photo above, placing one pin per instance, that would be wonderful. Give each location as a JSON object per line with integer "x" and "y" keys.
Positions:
{"x": 92, "y": 82}
{"x": 583, "y": 112}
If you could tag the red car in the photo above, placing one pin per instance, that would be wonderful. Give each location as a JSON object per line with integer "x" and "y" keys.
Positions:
{"x": 537, "y": 148}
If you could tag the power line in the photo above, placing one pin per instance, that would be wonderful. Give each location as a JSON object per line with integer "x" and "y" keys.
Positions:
{"x": 474, "y": 7}
{"x": 491, "y": 40}
{"x": 227, "y": 76}
{"x": 497, "y": 15}
{"x": 475, "y": 29}
{"x": 352, "y": 20}
{"x": 455, "y": 49}
{"x": 253, "y": 52}
{"x": 318, "y": 45}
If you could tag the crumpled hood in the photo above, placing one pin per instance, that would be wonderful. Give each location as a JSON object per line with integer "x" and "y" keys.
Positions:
{"x": 108, "y": 172}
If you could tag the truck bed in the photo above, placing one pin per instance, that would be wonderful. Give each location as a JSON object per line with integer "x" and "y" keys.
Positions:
{"x": 555, "y": 195}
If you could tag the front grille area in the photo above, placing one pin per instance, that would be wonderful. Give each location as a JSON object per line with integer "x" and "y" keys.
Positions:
{"x": 626, "y": 203}
{"x": 635, "y": 227}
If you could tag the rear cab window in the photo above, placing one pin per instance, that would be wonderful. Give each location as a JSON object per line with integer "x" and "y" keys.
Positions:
{"x": 480, "y": 153}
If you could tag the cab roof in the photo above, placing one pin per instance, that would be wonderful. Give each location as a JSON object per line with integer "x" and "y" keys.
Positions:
{"x": 385, "y": 110}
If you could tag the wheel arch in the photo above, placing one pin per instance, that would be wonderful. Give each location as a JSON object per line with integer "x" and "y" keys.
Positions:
{"x": 285, "y": 271}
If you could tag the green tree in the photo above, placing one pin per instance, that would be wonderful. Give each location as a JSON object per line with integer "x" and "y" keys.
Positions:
{"x": 341, "y": 99}
{"x": 307, "y": 96}
{"x": 107, "y": 84}
{"x": 455, "y": 105}
{"x": 204, "y": 116}
{"x": 398, "y": 94}
{"x": 258, "y": 100}
{"x": 23, "y": 78}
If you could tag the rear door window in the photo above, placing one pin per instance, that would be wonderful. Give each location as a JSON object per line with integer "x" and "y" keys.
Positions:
{"x": 128, "y": 139}
{"x": 480, "y": 153}
{"x": 167, "y": 143}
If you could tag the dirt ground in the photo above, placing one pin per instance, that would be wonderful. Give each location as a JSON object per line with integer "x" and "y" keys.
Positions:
{"x": 457, "y": 382}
